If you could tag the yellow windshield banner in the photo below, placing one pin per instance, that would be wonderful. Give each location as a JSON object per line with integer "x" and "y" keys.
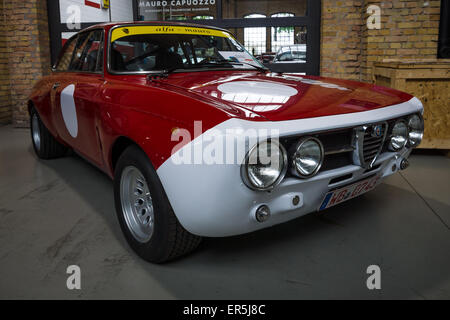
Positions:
{"x": 138, "y": 30}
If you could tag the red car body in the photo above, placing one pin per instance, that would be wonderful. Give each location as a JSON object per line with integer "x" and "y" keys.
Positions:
{"x": 114, "y": 110}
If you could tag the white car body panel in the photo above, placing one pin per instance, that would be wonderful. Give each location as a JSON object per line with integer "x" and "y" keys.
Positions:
{"x": 212, "y": 200}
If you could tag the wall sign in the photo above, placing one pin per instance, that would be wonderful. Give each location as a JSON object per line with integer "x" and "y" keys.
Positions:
{"x": 175, "y": 3}
{"x": 176, "y": 9}
{"x": 105, "y": 4}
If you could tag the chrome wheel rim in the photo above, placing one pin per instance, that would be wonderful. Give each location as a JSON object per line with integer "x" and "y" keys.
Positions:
{"x": 137, "y": 204}
{"x": 35, "y": 131}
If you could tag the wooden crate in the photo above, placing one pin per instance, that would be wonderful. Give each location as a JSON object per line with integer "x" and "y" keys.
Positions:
{"x": 428, "y": 80}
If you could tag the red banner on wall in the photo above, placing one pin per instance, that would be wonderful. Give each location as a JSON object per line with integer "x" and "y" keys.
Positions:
{"x": 92, "y": 4}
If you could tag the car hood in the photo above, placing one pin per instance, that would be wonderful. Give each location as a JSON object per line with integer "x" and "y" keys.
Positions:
{"x": 278, "y": 97}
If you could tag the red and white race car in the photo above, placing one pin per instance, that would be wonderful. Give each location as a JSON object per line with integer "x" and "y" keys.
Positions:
{"x": 202, "y": 140}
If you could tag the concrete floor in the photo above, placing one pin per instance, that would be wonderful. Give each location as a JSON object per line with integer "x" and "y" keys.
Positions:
{"x": 58, "y": 213}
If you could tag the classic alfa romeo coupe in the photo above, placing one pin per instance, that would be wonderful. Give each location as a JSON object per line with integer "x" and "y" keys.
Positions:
{"x": 202, "y": 140}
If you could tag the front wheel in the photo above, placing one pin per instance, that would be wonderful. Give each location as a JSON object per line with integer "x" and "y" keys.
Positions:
{"x": 144, "y": 212}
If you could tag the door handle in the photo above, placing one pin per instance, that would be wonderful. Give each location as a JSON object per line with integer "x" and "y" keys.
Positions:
{"x": 56, "y": 86}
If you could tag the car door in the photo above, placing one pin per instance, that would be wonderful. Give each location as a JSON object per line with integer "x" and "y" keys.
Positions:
{"x": 88, "y": 75}
{"x": 77, "y": 97}
{"x": 59, "y": 80}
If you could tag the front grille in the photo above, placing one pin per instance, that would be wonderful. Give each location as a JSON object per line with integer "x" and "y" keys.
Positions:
{"x": 347, "y": 146}
{"x": 372, "y": 144}
{"x": 336, "y": 160}
{"x": 336, "y": 146}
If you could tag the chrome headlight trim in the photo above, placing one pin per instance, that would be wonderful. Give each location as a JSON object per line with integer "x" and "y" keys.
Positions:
{"x": 302, "y": 141}
{"x": 419, "y": 131}
{"x": 244, "y": 167}
{"x": 406, "y": 136}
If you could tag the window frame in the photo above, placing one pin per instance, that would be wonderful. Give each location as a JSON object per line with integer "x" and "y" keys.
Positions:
{"x": 274, "y": 31}
{"x": 312, "y": 22}
{"x": 444, "y": 33}
{"x": 248, "y": 30}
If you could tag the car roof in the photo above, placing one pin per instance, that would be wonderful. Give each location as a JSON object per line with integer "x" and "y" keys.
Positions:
{"x": 110, "y": 25}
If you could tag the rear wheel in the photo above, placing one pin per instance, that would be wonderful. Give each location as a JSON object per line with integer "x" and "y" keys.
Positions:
{"x": 144, "y": 212}
{"x": 44, "y": 144}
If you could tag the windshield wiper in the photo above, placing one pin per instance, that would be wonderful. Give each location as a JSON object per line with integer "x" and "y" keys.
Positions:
{"x": 259, "y": 68}
{"x": 164, "y": 73}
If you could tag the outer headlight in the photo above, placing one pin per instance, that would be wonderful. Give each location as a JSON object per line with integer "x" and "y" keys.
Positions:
{"x": 399, "y": 136}
{"x": 308, "y": 157}
{"x": 265, "y": 166}
{"x": 415, "y": 126}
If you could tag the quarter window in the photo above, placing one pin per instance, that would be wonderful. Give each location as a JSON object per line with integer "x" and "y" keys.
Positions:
{"x": 77, "y": 56}
{"x": 88, "y": 52}
{"x": 66, "y": 57}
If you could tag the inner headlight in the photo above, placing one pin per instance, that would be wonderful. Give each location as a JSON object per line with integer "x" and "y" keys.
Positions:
{"x": 415, "y": 126}
{"x": 399, "y": 136}
{"x": 265, "y": 166}
{"x": 308, "y": 157}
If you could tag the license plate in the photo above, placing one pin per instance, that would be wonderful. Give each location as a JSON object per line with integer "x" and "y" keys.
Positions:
{"x": 349, "y": 192}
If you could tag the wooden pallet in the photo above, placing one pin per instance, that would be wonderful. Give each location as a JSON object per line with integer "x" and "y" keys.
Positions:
{"x": 428, "y": 80}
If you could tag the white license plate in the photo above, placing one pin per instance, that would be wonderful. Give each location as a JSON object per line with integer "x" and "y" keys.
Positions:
{"x": 349, "y": 192}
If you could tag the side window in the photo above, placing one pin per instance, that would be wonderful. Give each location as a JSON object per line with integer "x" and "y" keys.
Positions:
{"x": 77, "y": 57}
{"x": 89, "y": 48}
{"x": 99, "y": 66}
{"x": 91, "y": 54}
{"x": 66, "y": 57}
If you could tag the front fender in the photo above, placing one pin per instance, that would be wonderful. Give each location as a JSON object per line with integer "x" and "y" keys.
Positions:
{"x": 152, "y": 118}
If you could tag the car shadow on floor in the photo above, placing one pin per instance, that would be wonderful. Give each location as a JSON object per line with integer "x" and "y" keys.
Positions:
{"x": 316, "y": 256}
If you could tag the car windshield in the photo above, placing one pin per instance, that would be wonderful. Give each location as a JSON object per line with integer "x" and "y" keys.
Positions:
{"x": 154, "y": 48}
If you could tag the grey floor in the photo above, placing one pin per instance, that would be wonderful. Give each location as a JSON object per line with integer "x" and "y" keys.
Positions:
{"x": 59, "y": 213}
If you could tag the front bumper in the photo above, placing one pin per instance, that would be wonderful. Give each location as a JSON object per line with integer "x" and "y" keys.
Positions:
{"x": 218, "y": 210}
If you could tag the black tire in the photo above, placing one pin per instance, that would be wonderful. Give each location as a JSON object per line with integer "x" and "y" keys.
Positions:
{"x": 47, "y": 147}
{"x": 169, "y": 239}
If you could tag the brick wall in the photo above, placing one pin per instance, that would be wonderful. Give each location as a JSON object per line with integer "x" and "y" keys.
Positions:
{"x": 341, "y": 44}
{"x": 409, "y": 30}
{"x": 5, "y": 100}
{"x": 26, "y": 41}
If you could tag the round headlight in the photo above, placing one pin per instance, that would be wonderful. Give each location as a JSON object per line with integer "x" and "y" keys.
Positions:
{"x": 399, "y": 136}
{"x": 308, "y": 157}
{"x": 265, "y": 166}
{"x": 415, "y": 126}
